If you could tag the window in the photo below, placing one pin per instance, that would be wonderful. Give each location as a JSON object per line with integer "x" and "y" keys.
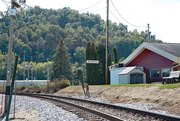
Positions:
{"x": 165, "y": 72}
{"x": 154, "y": 73}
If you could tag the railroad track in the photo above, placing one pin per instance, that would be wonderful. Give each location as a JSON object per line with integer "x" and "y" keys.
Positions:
{"x": 114, "y": 113}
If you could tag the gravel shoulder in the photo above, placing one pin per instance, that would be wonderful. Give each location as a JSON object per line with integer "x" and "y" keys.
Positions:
{"x": 167, "y": 100}
{"x": 27, "y": 115}
{"x": 32, "y": 109}
{"x": 149, "y": 98}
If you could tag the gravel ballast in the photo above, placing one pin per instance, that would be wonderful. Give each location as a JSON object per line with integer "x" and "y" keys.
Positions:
{"x": 47, "y": 111}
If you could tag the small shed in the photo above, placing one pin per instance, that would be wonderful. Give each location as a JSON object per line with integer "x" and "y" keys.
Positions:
{"x": 127, "y": 75}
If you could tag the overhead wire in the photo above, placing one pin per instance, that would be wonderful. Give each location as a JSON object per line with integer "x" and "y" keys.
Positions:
{"x": 5, "y": 3}
{"x": 98, "y": 10}
{"x": 123, "y": 17}
{"x": 115, "y": 16}
{"x": 90, "y": 6}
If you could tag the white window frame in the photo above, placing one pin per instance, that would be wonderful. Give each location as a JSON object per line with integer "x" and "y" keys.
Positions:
{"x": 154, "y": 77}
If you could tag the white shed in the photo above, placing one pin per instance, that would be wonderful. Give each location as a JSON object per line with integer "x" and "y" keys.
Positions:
{"x": 127, "y": 75}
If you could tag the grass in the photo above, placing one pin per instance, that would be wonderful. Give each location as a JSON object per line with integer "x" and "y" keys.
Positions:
{"x": 170, "y": 86}
{"x": 165, "y": 86}
{"x": 57, "y": 85}
{"x": 49, "y": 88}
{"x": 133, "y": 85}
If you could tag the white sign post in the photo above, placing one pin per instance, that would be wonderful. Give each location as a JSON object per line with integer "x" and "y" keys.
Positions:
{"x": 92, "y": 61}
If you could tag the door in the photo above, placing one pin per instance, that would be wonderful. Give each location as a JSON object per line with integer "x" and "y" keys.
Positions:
{"x": 136, "y": 78}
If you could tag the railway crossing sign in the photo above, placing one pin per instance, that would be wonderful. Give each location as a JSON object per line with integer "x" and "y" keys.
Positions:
{"x": 92, "y": 61}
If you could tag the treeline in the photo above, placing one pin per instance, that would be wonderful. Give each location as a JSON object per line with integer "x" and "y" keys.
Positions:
{"x": 37, "y": 33}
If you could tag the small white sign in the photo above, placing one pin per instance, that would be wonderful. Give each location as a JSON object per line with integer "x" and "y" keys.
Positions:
{"x": 12, "y": 12}
{"x": 92, "y": 61}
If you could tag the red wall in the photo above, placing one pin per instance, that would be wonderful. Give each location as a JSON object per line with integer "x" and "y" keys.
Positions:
{"x": 150, "y": 60}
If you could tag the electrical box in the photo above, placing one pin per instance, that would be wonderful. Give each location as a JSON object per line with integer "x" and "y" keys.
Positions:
{"x": 12, "y": 12}
{"x": 22, "y": 1}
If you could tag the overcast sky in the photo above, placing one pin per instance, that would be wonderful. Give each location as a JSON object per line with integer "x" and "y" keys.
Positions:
{"x": 162, "y": 15}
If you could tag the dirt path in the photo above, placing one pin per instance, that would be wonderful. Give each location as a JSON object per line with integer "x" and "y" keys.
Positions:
{"x": 168, "y": 99}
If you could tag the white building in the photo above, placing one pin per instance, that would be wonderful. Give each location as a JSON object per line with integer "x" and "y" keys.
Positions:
{"x": 126, "y": 75}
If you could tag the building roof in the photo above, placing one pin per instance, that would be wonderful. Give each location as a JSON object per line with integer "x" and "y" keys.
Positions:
{"x": 172, "y": 48}
{"x": 167, "y": 50}
{"x": 126, "y": 70}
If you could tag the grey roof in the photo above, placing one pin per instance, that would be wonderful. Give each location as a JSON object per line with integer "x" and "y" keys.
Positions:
{"x": 126, "y": 70}
{"x": 172, "y": 48}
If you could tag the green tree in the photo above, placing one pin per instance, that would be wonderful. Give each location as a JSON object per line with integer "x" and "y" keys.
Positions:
{"x": 87, "y": 65}
{"x": 78, "y": 76}
{"x": 3, "y": 62}
{"x": 79, "y": 55}
{"x": 109, "y": 64}
{"x": 115, "y": 53}
{"x": 102, "y": 62}
{"x": 61, "y": 63}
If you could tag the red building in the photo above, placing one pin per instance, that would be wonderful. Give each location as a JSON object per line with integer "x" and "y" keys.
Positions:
{"x": 155, "y": 59}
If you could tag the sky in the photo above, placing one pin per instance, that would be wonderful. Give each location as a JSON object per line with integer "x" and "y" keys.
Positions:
{"x": 162, "y": 15}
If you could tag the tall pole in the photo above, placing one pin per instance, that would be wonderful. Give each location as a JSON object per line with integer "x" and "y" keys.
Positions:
{"x": 9, "y": 60}
{"x": 31, "y": 69}
{"x": 47, "y": 70}
{"x": 107, "y": 34}
{"x": 148, "y": 34}
{"x": 28, "y": 72}
{"x": 24, "y": 70}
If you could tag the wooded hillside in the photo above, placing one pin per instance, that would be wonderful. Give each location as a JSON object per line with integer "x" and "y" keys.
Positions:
{"x": 37, "y": 33}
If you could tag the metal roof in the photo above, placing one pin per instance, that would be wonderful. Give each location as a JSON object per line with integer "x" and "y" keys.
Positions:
{"x": 127, "y": 70}
{"x": 172, "y": 48}
{"x": 167, "y": 50}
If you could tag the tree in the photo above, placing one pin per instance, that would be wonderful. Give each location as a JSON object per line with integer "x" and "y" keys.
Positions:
{"x": 61, "y": 64}
{"x": 102, "y": 68}
{"x": 87, "y": 65}
{"x": 79, "y": 55}
{"x": 115, "y": 55}
{"x": 92, "y": 69}
{"x": 109, "y": 64}
{"x": 78, "y": 76}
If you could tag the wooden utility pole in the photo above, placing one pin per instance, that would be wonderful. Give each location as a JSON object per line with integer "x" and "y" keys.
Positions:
{"x": 107, "y": 34}
{"x": 9, "y": 59}
{"x": 47, "y": 70}
{"x": 148, "y": 33}
{"x": 31, "y": 69}
{"x": 24, "y": 71}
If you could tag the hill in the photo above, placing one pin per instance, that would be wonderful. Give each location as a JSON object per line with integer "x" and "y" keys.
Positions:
{"x": 37, "y": 32}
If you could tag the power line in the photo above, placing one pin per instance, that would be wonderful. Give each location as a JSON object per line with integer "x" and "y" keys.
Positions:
{"x": 115, "y": 17}
{"x": 5, "y": 3}
{"x": 98, "y": 10}
{"x": 123, "y": 17}
{"x": 90, "y": 6}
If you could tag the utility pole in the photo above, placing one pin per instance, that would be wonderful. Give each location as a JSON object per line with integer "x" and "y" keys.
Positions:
{"x": 24, "y": 70}
{"x": 31, "y": 69}
{"x": 148, "y": 34}
{"x": 7, "y": 94}
{"x": 47, "y": 70}
{"x": 28, "y": 72}
{"x": 107, "y": 34}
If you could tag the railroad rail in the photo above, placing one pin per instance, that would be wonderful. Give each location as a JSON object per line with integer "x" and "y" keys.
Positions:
{"x": 106, "y": 116}
{"x": 56, "y": 99}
